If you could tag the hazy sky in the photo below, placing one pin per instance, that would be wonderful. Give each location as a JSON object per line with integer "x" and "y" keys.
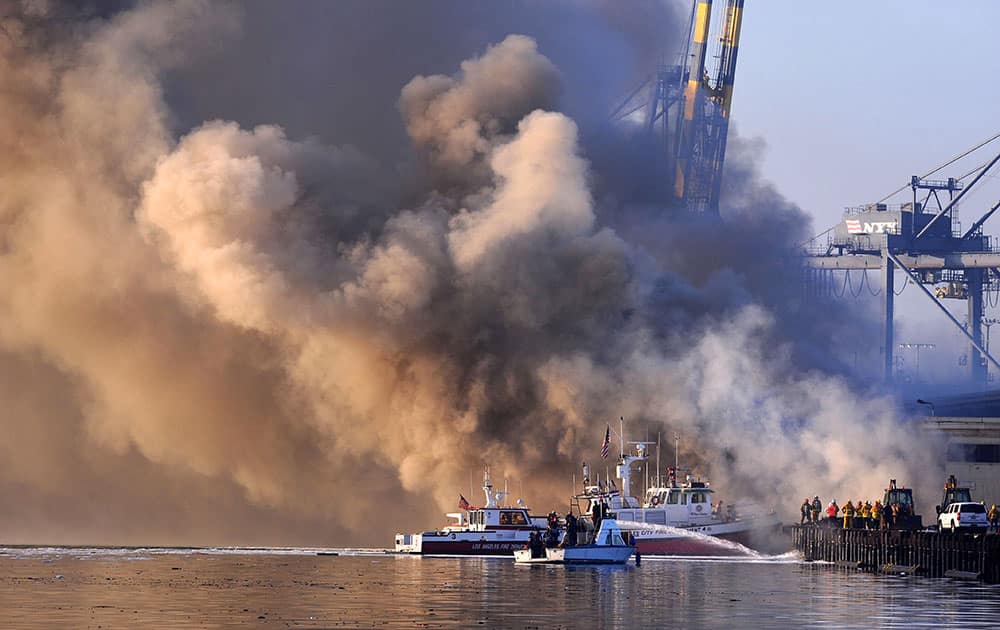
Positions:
{"x": 854, "y": 97}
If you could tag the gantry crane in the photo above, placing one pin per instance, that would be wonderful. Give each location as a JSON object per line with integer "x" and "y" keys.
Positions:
{"x": 689, "y": 102}
{"x": 927, "y": 244}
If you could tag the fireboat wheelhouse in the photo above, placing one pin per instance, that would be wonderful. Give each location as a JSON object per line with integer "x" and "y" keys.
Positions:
{"x": 493, "y": 529}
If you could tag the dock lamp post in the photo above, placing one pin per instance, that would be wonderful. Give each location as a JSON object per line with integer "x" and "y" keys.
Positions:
{"x": 929, "y": 404}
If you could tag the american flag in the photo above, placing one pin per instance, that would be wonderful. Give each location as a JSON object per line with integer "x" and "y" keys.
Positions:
{"x": 606, "y": 444}
{"x": 462, "y": 503}
{"x": 853, "y": 226}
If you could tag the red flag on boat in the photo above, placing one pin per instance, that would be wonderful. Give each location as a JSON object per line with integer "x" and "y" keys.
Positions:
{"x": 462, "y": 503}
{"x": 606, "y": 444}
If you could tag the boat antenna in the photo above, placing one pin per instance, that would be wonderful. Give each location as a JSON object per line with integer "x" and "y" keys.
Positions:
{"x": 677, "y": 441}
{"x": 621, "y": 435}
{"x": 645, "y": 485}
{"x": 658, "y": 483}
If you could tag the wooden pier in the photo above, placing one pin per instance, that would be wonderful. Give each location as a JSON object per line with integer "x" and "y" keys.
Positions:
{"x": 928, "y": 553}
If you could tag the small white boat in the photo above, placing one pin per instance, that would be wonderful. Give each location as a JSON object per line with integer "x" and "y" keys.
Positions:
{"x": 609, "y": 547}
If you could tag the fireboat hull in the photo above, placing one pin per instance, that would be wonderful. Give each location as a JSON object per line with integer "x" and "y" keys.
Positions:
{"x": 462, "y": 543}
{"x": 701, "y": 542}
{"x": 679, "y": 546}
{"x": 469, "y": 548}
{"x": 706, "y": 543}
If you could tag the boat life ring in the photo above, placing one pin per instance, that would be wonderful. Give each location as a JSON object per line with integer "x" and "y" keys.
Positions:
{"x": 654, "y": 501}
{"x": 697, "y": 508}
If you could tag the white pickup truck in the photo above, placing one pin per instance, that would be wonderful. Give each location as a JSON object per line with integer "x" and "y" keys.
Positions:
{"x": 962, "y": 516}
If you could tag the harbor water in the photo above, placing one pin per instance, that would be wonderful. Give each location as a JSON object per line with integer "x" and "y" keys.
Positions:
{"x": 289, "y": 588}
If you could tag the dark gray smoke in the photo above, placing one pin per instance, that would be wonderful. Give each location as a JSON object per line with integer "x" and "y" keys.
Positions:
{"x": 290, "y": 276}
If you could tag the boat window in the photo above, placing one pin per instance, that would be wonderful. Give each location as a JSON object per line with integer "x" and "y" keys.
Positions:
{"x": 684, "y": 498}
{"x": 656, "y": 517}
{"x": 505, "y": 518}
{"x": 517, "y": 518}
{"x": 672, "y": 498}
{"x": 698, "y": 497}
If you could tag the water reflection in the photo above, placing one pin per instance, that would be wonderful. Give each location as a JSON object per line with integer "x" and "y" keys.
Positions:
{"x": 47, "y": 588}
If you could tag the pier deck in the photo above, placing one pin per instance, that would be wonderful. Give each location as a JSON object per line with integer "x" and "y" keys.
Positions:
{"x": 929, "y": 553}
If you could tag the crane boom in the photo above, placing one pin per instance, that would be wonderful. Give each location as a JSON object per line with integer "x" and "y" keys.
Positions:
{"x": 707, "y": 102}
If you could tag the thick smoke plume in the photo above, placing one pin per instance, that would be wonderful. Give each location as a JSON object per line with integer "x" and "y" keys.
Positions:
{"x": 220, "y": 331}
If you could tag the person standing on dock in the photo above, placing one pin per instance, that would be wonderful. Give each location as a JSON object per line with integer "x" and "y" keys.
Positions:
{"x": 817, "y": 507}
{"x": 993, "y": 516}
{"x": 848, "y": 515}
{"x": 866, "y": 514}
{"x": 831, "y": 512}
{"x": 805, "y": 510}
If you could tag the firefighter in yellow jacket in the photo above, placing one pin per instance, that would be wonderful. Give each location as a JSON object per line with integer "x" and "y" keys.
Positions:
{"x": 876, "y": 514}
{"x": 848, "y": 512}
{"x": 865, "y": 512}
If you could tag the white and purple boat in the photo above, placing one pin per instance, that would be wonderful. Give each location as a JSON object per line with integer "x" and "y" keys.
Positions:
{"x": 493, "y": 530}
